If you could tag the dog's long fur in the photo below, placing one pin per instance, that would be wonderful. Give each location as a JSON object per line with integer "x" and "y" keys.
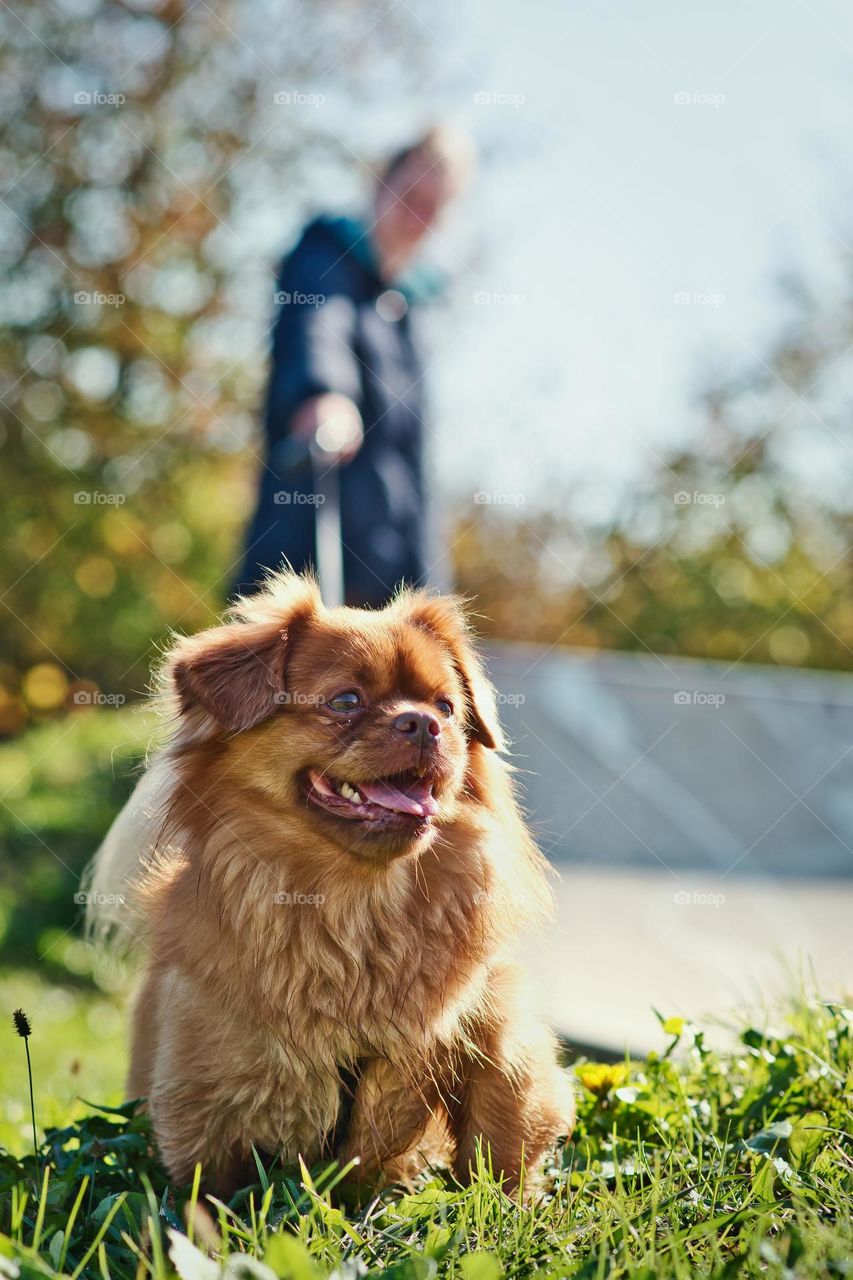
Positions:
{"x": 292, "y": 960}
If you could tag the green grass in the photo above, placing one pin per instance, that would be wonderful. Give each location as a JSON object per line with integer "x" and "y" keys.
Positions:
{"x": 688, "y": 1163}
{"x": 78, "y": 1048}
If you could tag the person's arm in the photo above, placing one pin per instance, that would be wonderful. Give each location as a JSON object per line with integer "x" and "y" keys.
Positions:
{"x": 315, "y": 379}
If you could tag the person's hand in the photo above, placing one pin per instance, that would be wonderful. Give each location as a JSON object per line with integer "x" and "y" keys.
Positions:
{"x": 333, "y": 422}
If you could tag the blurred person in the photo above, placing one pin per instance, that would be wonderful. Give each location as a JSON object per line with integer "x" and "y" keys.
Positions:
{"x": 347, "y": 375}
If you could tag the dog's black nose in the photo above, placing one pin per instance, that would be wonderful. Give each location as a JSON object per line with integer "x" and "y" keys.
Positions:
{"x": 418, "y": 727}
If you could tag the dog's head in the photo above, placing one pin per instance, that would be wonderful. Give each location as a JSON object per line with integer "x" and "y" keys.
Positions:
{"x": 359, "y": 724}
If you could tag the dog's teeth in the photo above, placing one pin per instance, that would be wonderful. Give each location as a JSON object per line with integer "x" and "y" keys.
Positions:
{"x": 348, "y": 792}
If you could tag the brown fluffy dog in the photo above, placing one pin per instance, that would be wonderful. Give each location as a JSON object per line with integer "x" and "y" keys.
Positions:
{"x": 330, "y": 869}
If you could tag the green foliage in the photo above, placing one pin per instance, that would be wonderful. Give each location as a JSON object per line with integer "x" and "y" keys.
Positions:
{"x": 62, "y": 784}
{"x": 143, "y": 148}
{"x": 613, "y": 590}
{"x": 689, "y": 1163}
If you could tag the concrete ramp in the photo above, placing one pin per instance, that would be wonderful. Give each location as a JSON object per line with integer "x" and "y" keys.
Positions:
{"x": 701, "y": 819}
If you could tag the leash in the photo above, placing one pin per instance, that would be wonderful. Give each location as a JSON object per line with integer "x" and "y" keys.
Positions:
{"x": 319, "y": 455}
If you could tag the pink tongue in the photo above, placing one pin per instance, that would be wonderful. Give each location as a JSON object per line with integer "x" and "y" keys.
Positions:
{"x": 417, "y": 799}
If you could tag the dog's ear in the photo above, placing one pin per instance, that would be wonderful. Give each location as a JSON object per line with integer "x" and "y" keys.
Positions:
{"x": 236, "y": 672}
{"x": 444, "y": 617}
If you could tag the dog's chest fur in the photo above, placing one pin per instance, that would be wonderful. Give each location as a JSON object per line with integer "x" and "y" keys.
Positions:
{"x": 390, "y": 977}
{"x": 392, "y": 971}
{"x": 289, "y": 986}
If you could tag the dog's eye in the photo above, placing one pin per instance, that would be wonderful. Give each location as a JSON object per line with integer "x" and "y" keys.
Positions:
{"x": 349, "y": 700}
{"x": 445, "y": 706}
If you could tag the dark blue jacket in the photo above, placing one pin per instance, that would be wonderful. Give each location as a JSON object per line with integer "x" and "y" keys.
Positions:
{"x": 336, "y": 332}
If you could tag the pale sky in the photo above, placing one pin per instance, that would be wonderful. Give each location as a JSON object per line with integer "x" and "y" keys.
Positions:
{"x": 602, "y": 198}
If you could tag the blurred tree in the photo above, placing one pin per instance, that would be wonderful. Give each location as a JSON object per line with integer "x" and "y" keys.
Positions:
{"x": 737, "y": 548}
{"x": 153, "y": 161}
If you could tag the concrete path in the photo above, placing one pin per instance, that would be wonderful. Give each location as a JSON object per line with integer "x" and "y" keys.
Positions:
{"x": 700, "y": 816}
{"x": 703, "y": 948}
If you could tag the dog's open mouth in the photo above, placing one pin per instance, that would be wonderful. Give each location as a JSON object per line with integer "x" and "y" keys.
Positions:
{"x": 399, "y": 796}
